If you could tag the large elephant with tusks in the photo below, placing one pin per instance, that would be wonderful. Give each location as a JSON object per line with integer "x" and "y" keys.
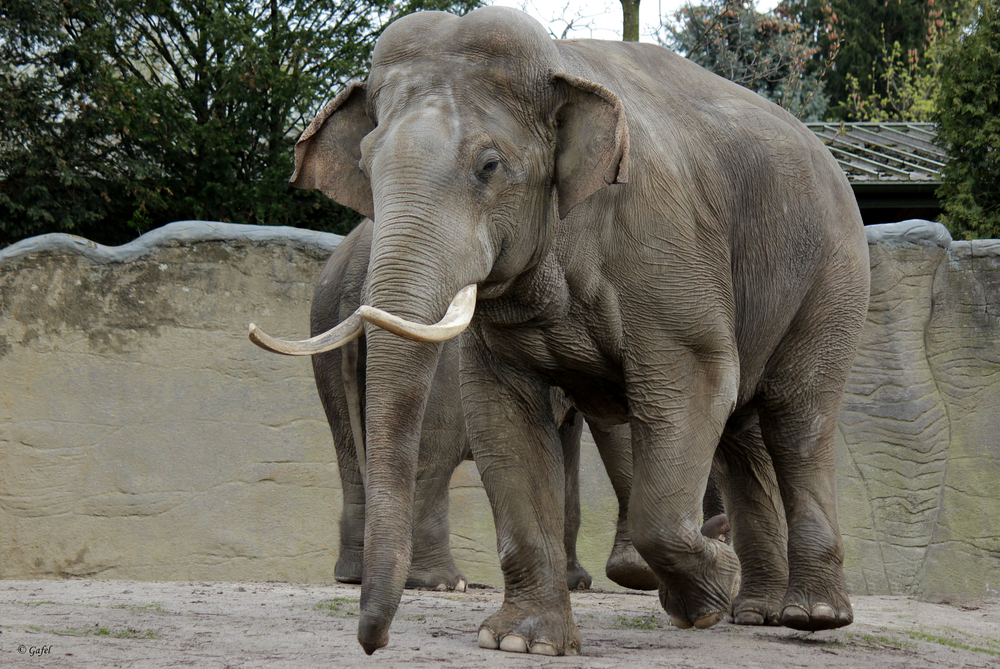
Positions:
{"x": 673, "y": 251}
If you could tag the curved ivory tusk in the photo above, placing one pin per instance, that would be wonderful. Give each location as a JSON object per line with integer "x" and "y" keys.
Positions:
{"x": 348, "y": 331}
{"x": 455, "y": 320}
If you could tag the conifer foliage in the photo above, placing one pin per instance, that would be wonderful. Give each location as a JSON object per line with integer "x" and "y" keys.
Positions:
{"x": 968, "y": 118}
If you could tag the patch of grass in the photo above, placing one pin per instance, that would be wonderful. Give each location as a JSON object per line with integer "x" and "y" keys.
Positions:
{"x": 36, "y": 603}
{"x": 342, "y": 607}
{"x": 946, "y": 641}
{"x": 421, "y": 617}
{"x": 981, "y": 639}
{"x": 881, "y": 640}
{"x": 34, "y": 628}
{"x": 126, "y": 633}
{"x": 72, "y": 632}
{"x": 641, "y": 623}
{"x": 132, "y": 633}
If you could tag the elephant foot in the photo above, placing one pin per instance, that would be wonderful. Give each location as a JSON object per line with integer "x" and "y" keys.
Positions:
{"x": 627, "y": 568}
{"x": 348, "y": 567}
{"x": 442, "y": 579}
{"x": 812, "y": 610}
{"x": 516, "y": 629}
{"x": 703, "y": 600}
{"x": 577, "y": 577}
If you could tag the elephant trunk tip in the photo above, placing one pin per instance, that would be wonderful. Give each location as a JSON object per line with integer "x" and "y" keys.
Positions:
{"x": 372, "y": 635}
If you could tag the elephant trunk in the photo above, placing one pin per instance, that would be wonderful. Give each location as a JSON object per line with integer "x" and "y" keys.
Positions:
{"x": 399, "y": 374}
{"x": 400, "y": 370}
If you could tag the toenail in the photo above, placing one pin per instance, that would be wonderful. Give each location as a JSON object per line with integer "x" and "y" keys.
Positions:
{"x": 487, "y": 640}
{"x": 513, "y": 643}
{"x": 542, "y": 648}
{"x": 824, "y": 611}
{"x": 708, "y": 621}
{"x": 680, "y": 622}
{"x": 748, "y": 618}
{"x": 793, "y": 613}
{"x": 461, "y": 585}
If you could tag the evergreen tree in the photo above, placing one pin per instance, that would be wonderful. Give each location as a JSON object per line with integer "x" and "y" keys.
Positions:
{"x": 117, "y": 116}
{"x": 57, "y": 166}
{"x": 968, "y": 117}
{"x": 764, "y": 52}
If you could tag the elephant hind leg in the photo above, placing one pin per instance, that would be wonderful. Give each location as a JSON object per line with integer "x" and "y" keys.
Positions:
{"x": 624, "y": 566}
{"x": 570, "y": 432}
{"x": 799, "y": 408}
{"x": 757, "y": 519}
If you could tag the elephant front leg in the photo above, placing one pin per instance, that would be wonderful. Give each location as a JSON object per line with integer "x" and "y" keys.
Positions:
{"x": 677, "y": 419}
{"x": 352, "y": 535}
{"x": 328, "y": 371}
{"x": 517, "y": 449}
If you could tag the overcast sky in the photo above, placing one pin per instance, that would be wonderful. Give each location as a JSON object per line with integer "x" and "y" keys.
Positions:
{"x": 602, "y": 19}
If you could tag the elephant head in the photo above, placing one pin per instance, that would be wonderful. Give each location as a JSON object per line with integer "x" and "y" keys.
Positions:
{"x": 466, "y": 146}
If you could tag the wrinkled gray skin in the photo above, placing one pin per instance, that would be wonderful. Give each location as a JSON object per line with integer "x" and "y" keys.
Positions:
{"x": 676, "y": 253}
{"x": 443, "y": 446}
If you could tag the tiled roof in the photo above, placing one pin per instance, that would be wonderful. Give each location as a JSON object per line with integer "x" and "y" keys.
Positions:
{"x": 884, "y": 153}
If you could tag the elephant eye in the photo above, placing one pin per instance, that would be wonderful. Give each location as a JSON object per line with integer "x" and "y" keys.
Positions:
{"x": 488, "y": 168}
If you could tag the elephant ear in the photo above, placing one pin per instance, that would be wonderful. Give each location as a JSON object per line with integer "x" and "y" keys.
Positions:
{"x": 328, "y": 154}
{"x": 592, "y": 144}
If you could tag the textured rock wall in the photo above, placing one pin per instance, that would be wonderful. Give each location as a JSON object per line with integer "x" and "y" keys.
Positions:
{"x": 143, "y": 436}
{"x": 919, "y": 459}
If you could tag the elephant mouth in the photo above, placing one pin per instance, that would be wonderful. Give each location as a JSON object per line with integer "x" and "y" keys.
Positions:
{"x": 494, "y": 289}
{"x": 453, "y": 323}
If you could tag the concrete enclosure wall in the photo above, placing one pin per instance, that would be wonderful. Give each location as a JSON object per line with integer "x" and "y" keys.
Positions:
{"x": 142, "y": 435}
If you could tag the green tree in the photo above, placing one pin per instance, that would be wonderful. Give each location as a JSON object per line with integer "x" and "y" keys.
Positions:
{"x": 874, "y": 53}
{"x": 901, "y": 87}
{"x": 765, "y": 52}
{"x": 122, "y": 115}
{"x": 57, "y": 172}
{"x": 968, "y": 118}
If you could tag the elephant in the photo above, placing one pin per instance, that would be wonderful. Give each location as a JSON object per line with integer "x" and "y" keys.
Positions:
{"x": 443, "y": 446}
{"x": 677, "y": 254}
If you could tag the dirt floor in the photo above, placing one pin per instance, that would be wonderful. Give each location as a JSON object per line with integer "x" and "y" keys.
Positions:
{"x": 140, "y": 624}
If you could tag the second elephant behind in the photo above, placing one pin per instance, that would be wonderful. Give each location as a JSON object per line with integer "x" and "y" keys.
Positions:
{"x": 340, "y": 381}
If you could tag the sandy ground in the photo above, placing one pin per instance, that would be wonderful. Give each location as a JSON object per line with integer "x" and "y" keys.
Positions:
{"x": 141, "y": 624}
